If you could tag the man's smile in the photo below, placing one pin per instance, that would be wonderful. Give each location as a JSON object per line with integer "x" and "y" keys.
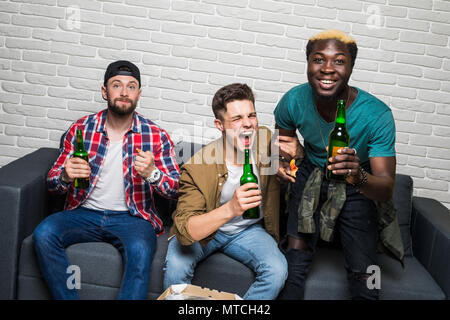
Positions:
{"x": 326, "y": 84}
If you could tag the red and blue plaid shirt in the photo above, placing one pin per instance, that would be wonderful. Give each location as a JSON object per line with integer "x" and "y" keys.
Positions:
{"x": 143, "y": 134}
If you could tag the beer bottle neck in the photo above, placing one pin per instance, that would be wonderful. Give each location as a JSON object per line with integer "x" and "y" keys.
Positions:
{"x": 340, "y": 112}
{"x": 80, "y": 143}
{"x": 247, "y": 156}
{"x": 248, "y": 168}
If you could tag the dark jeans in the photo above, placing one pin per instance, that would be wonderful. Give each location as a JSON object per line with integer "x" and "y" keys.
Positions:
{"x": 355, "y": 230}
{"x": 134, "y": 237}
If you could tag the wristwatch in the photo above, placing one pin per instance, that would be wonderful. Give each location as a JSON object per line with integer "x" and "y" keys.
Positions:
{"x": 154, "y": 176}
{"x": 363, "y": 179}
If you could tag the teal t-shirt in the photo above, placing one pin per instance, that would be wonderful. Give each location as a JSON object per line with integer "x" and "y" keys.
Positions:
{"x": 369, "y": 122}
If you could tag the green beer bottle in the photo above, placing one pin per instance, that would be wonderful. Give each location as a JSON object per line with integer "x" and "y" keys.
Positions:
{"x": 339, "y": 138}
{"x": 80, "y": 152}
{"x": 249, "y": 176}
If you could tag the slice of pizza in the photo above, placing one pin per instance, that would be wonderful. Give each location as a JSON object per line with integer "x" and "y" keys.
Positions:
{"x": 294, "y": 168}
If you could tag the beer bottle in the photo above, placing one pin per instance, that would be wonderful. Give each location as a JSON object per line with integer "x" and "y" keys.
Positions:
{"x": 249, "y": 176}
{"x": 339, "y": 138}
{"x": 80, "y": 152}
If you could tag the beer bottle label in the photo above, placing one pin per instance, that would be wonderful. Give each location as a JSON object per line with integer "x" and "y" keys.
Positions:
{"x": 335, "y": 151}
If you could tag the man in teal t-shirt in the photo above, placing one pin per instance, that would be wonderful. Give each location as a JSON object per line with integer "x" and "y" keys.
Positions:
{"x": 369, "y": 123}
{"x": 368, "y": 163}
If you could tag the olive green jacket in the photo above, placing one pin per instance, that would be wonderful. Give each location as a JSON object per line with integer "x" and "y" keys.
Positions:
{"x": 202, "y": 179}
{"x": 390, "y": 240}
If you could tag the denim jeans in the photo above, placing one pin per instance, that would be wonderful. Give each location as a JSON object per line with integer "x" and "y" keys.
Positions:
{"x": 355, "y": 230}
{"x": 254, "y": 247}
{"x": 133, "y": 236}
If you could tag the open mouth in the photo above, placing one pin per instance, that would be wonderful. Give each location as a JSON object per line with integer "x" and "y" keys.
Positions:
{"x": 327, "y": 84}
{"x": 246, "y": 138}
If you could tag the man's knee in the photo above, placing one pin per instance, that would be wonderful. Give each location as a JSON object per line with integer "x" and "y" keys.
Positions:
{"x": 44, "y": 234}
{"x": 275, "y": 271}
{"x": 178, "y": 266}
{"x": 140, "y": 249}
{"x": 280, "y": 270}
{"x": 177, "y": 271}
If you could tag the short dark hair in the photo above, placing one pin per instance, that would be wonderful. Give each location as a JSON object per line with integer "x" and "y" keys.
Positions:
{"x": 229, "y": 93}
{"x": 352, "y": 48}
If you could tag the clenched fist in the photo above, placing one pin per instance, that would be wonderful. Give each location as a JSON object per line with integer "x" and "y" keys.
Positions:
{"x": 144, "y": 163}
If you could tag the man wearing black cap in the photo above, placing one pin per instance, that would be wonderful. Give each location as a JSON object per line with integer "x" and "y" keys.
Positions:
{"x": 130, "y": 158}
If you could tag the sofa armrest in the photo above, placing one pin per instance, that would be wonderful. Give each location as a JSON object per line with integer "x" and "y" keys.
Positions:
{"x": 431, "y": 239}
{"x": 23, "y": 204}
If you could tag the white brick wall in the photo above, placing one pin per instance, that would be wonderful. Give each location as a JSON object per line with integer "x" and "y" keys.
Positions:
{"x": 53, "y": 54}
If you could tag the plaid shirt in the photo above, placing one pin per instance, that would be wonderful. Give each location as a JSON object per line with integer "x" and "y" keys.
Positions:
{"x": 143, "y": 134}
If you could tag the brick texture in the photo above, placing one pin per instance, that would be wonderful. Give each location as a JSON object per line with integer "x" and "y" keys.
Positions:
{"x": 53, "y": 54}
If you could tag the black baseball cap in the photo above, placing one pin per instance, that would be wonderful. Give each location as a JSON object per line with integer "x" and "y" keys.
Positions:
{"x": 122, "y": 68}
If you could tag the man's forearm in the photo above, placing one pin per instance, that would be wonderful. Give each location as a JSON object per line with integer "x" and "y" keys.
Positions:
{"x": 201, "y": 226}
{"x": 380, "y": 184}
{"x": 378, "y": 188}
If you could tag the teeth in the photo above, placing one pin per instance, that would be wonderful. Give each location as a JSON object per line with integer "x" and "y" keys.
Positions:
{"x": 327, "y": 81}
{"x": 246, "y": 133}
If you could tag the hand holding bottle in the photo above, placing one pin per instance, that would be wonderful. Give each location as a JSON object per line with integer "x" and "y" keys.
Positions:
{"x": 244, "y": 198}
{"x": 346, "y": 162}
{"x": 339, "y": 138}
{"x": 75, "y": 168}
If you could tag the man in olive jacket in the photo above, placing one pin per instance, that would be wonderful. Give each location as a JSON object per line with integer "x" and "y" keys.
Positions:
{"x": 209, "y": 212}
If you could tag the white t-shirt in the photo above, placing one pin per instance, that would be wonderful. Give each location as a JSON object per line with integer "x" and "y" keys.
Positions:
{"x": 237, "y": 224}
{"x": 109, "y": 191}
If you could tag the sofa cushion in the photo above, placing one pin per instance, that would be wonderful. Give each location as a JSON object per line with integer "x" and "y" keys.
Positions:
{"x": 327, "y": 279}
{"x": 403, "y": 192}
{"x": 101, "y": 271}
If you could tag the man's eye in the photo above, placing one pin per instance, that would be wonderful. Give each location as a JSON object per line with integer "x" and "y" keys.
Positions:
{"x": 318, "y": 60}
{"x": 132, "y": 87}
{"x": 339, "y": 61}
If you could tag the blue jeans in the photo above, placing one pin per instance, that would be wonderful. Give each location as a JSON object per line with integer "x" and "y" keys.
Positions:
{"x": 254, "y": 247}
{"x": 133, "y": 236}
{"x": 355, "y": 230}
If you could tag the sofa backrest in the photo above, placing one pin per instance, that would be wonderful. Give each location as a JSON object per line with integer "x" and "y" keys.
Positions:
{"x": 165, "y": 207}
{"x": 185, "y": 150}
{"x": 403, "y": 192}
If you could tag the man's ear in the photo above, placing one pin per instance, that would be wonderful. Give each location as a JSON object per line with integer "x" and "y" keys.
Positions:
{"x": 104, "y": 94}
{"x": 219, "y": 125}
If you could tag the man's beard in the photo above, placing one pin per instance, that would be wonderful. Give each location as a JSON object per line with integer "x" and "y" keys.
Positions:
{"x": 121, "y": 111}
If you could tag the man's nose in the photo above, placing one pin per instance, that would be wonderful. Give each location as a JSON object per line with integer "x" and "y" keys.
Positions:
{"x": 246, "y": 122}
{"x": 327, "y": 67}
{"x": 124, "y": 91}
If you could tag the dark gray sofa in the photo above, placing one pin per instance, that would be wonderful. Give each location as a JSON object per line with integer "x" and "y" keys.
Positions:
{"x": 24, "y": 202}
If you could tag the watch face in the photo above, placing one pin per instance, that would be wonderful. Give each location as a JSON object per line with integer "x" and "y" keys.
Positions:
{"x": 154, "y": 176}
